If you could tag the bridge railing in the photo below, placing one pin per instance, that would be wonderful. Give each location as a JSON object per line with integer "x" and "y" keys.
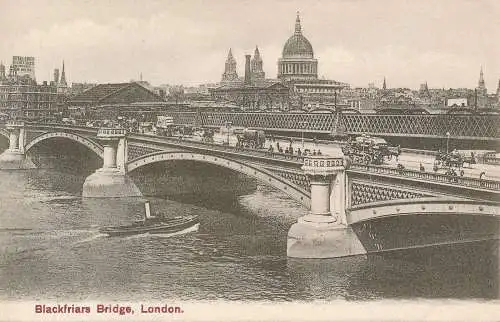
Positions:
{"x": 430, "y": 176}
{"x": 490, "y": 159}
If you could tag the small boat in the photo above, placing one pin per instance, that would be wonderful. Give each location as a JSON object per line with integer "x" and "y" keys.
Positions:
{"x": 154, "y": 225}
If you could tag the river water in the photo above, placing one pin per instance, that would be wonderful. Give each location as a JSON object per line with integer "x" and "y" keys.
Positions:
{"x": 50, "y": 248}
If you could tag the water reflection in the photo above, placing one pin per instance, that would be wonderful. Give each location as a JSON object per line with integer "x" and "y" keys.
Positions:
{"x": 467, "y": 271}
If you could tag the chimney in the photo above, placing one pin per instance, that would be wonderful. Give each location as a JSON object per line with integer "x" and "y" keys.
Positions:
{"x": 247, "y": 70}
{"x": 56, "y": 75}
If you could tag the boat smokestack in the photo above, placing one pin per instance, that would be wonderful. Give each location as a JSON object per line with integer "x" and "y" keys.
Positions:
{"x": 248, "y": 74}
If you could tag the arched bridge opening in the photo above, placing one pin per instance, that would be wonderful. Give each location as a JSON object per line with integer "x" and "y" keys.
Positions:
{"x": 424, "y": 222}
{"x": 65, "y": 151}
{"x": 249, "y": 170}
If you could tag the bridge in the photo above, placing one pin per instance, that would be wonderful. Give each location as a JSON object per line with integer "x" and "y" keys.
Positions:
{"x": 351, "y": 205}
{"x": 433, "y": 128}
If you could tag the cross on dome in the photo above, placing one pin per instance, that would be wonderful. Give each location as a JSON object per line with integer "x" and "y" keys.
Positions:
{"x": 298, "y": 28}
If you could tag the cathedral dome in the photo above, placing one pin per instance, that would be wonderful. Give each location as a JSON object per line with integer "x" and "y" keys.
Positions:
{"x": 297, "y": 46}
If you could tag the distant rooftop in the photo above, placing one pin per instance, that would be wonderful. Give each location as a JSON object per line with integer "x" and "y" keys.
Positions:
{"x": 100, "y": 92}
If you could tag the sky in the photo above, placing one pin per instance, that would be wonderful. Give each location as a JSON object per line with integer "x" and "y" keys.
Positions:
{"x": 443, "y": 42}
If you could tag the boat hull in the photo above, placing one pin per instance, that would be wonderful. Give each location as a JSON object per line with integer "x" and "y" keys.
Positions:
{"x": 156, "y": 228}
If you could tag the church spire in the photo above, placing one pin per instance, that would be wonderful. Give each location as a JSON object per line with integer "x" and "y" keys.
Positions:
{"x": 384, "y": 85}
{"x": 62, "y": 82}
{"x": 298, "y": 28}
{"x": 481, "y": 78}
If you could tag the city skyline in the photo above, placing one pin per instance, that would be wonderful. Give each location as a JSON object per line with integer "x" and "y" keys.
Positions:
{"x": 443, "y": 43}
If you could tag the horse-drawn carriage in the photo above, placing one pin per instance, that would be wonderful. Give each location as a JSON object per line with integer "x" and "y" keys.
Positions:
{"x": 253, "y": 139}
{"x": 370, "y": 150}
{"x": 454, "y": 159}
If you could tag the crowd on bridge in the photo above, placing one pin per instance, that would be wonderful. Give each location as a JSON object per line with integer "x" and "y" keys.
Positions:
{"x": 289, "y": 151}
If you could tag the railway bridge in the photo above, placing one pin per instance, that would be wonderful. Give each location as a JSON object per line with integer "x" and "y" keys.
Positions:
{"x": 425, "y": 131}
{"x": 354, "y": 209}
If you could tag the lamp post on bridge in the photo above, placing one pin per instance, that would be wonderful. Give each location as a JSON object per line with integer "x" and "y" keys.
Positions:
{"x": 447, "y": 141}
{"x": 228, "y": 126}
{"x": 303, "y": 124}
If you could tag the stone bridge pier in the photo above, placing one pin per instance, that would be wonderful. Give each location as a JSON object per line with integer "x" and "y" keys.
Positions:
{"x": 14, "y": 157}
{"x": 324, "y": 233}
{"x": 111, "y": 181}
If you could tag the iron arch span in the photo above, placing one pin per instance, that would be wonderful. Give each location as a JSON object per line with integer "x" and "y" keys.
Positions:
{"x": 421, "y": 206}
{"x": 424, "y": 222}
{"x": 95, "y": 147}
{"x": 289, "y": 188}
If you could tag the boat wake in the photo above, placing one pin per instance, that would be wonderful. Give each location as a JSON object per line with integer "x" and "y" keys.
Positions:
{"x": 89, "y": 239}
{"x": 182, "y": 232}
{"x": 48, "y": 199}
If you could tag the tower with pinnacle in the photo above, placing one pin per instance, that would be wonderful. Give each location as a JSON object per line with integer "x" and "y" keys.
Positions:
{"x": 256, "y": 65}
{"x": 230, "y": 74}
{"x": 62, "y": 86}
{"x": 62, "y": 81}
{"x": 481, "y": 91}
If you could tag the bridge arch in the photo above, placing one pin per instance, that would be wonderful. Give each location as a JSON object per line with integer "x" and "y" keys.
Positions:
{"x": 420, "y": 206}
{"x": 95, "y": 147}
{"x": 294, "y": 191}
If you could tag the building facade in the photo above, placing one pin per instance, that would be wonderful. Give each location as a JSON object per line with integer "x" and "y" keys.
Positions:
{"x": 22, "y": 66}
{"x": 22, "y": 97}
{"x": 28, "y": 100}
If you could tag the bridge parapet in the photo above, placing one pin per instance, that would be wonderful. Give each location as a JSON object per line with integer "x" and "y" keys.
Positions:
{"x": 111, "y": 133}
{"x": 213, "y": 148}
{"x": 322, "y": 165}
